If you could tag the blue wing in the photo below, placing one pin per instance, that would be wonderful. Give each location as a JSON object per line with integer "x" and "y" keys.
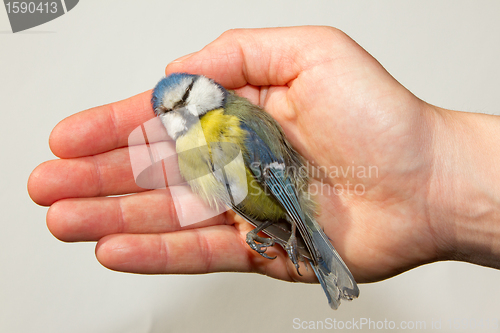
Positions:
{"x": 270, "y": 170}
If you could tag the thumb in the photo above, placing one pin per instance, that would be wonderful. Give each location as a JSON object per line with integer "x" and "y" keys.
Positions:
{"x": 260, "y": 57}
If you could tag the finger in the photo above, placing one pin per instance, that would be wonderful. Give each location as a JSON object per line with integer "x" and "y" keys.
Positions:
{"x": 90, "y": 219}
{"x": 261, "y": 57}
{"x": 104, "y": 174}
{"x": 204, "y": 250}
{"x": 100, "y": 129}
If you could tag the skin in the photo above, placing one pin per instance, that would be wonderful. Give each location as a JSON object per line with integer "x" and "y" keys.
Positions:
{"x": 434, "y": 195}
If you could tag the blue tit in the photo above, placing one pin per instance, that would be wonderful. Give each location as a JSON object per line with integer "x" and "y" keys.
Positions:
{"x": 212, "y": 125}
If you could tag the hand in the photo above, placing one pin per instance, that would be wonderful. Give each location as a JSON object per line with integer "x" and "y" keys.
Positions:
{"x": 339, "y": 108}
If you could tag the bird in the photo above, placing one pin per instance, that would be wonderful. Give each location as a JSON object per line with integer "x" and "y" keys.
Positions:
{"x": 268, "y": 188}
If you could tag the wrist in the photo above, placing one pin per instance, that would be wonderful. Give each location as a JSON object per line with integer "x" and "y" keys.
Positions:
{"x": 464, "y": 192}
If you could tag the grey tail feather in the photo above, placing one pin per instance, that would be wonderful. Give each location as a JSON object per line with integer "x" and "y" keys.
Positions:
{"x": 333, "y": 274}
{"x": 329, "y": 287}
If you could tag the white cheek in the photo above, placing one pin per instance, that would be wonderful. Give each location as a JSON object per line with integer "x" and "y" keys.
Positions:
{"x": 192, "y": 109}
{"x": 174, "y": 123}
{"x": 206, "y": 95}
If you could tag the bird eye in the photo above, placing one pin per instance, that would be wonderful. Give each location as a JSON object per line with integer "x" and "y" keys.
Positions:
{"x": 182, "y": 101}
{"x": 188, "y": 91}
{"x": 162, "y": 110}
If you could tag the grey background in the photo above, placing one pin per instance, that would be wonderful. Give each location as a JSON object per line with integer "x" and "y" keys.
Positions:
{"x": 446, "y": 52}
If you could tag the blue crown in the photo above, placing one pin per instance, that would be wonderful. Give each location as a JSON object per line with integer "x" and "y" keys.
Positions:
{"x": 166, "y": 84}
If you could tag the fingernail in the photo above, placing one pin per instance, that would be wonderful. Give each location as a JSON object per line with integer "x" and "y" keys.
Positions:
{"x": 181, "y": 59}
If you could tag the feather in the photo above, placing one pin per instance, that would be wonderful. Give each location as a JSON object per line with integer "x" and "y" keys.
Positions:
{"x": 231, "y": 129}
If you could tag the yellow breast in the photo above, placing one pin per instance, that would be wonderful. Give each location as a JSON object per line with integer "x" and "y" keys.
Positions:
{"x": 216, "y": 141}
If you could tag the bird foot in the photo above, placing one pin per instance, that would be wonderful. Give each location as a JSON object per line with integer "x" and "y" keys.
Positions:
{"x": 261, "y": 246}
{"x": 291, "y": 248}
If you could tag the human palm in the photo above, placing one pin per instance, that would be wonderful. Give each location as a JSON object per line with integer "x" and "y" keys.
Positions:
{"x": 338, "y": 107}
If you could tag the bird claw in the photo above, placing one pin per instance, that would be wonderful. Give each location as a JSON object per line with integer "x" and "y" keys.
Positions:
{"x": 291, "y": 249}
{"x": 253, "y": 238}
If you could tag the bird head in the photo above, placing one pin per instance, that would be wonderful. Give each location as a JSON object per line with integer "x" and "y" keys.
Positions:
{"x": 180, "y": 99}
